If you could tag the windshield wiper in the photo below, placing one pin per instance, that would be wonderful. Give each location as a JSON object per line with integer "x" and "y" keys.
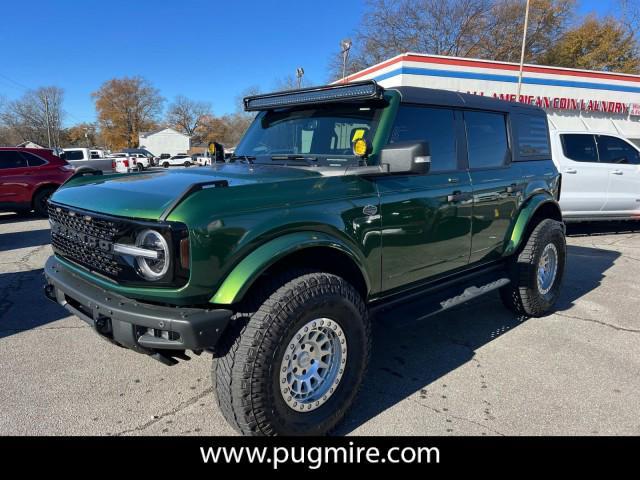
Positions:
{"x": 244, "y": 158}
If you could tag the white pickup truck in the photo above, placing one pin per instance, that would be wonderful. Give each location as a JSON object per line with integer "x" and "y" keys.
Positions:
{"x": 86, "y": 159}
{"x": 600, "y": 175}
{"x": 137, "y": 161}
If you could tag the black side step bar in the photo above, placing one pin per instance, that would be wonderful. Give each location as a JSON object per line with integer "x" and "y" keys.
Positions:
{"x": 192, "y": 189}
{"x": 434, "y": 302}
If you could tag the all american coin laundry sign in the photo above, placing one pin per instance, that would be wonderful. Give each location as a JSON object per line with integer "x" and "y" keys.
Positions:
{"x": 564, "y": 103}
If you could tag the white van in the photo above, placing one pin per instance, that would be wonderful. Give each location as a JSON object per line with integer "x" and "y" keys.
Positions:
{"x": 600, "y": 175}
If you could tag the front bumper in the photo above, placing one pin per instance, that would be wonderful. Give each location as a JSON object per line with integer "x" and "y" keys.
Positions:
{"x": 160, "y": 331}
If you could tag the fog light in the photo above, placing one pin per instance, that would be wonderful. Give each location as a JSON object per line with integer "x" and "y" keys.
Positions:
{"x": 166, "y": 334}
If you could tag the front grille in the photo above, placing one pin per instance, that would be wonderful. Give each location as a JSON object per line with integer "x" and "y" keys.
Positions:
{"x": 73, "y": 248}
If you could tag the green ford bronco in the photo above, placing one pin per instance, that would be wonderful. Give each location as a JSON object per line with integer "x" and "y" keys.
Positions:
{"x": 339, "y": 201}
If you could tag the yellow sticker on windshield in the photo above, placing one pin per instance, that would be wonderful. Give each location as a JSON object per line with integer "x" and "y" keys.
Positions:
{"x": 359, "y": 133}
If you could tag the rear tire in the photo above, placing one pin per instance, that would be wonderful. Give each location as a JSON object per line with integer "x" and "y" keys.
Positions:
{"x": 40, "y": 201}
{"x": 139, "y": 167}
{"x": 187, "y": 164}
{"x": 311, "y": 313}
{"x": 165, "y": 164}
{"x": 536, "y": 274}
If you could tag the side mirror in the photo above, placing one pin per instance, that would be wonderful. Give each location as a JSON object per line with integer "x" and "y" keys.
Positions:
{"x": 219, "y": 155}
{"x": 406, "y": 157}
{"x": 216, "y": 152}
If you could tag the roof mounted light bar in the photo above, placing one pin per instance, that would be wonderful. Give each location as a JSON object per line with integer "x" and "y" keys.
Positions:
{"x": 366, "y": 90}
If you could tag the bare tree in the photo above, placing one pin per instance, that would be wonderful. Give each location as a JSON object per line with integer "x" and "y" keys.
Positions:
{"x": 629, "y": 16}
{"x": 36, "y": 116}
{"x": 502, "y": 38}
{"x": 186, "y": 115}
{"x": 290, "y": 82}
{"x": 391, "y": 27}
{"x": 488, "y": 29}
{"x": 247, "y": 92}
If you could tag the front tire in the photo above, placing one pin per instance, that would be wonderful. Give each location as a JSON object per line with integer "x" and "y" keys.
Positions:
{"x": 40, "y": 201}
{"x": 165, "y": 164}
{"x": 536, "y": 274}
{"x": 295, "y": 365}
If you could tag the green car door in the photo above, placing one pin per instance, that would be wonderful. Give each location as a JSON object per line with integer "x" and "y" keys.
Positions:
{"x": 426, "y": 219}
{"x": 497, "y": 183}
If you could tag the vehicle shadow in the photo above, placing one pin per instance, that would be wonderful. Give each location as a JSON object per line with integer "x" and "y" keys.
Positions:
{"x": 24, "y": 239}
{"x": 23, "y": 305}
{"x": 14, "y": 217}
{"x": 408, "y": 359}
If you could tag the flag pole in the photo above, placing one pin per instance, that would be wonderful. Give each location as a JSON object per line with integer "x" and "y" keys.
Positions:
{"x": 524, "y": 42}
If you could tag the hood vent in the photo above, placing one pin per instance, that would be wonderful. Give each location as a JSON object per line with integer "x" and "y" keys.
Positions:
{"x": 192, "y": 189}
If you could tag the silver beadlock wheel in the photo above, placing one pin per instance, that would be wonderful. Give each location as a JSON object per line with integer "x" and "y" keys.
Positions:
{"x": 547, "y": 268}
{"x": 313, "y": 364}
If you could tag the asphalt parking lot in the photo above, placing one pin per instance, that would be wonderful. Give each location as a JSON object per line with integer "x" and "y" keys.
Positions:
{"x": 475, "y": 370}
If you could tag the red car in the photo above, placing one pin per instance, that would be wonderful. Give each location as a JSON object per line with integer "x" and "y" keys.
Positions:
{"x": 28, "y": 177}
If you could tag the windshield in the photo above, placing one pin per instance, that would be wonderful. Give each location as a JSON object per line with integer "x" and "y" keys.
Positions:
{"x": 321, "y": 135}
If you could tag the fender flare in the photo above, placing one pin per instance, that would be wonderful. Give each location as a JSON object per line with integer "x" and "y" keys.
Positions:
{"x": 245, "y": 273}
{"x": 527, "y": 212}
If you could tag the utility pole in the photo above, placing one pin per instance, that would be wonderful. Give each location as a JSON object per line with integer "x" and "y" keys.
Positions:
{"x": 48, "y": 119}
{"x": 299, "y": 75}
{"x": 346, "y": 46}
{"x": 524, "y": 42}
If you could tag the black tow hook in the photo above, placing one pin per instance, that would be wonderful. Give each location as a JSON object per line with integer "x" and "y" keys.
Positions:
{"x": 50, "y": 293}
{"x": 103, "y": 325}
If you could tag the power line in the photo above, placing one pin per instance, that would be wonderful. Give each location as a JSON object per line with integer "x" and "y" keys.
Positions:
{"x": 19, "y": 85}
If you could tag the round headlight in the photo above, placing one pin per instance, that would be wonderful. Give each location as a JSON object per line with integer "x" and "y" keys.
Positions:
{"x": 156, "y": 268}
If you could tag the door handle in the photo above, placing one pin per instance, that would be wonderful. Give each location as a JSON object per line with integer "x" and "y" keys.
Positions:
{"x": 457, "y": 196}
{"x": 513, "y": 188}
{"x": 617, "y": 172}
{"x": 570, "y": 170}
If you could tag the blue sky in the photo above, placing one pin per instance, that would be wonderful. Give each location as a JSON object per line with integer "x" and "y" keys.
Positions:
{"x": 206, "y": 50}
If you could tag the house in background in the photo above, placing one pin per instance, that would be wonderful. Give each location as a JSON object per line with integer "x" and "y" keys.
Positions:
{"x": 166, "y": 140}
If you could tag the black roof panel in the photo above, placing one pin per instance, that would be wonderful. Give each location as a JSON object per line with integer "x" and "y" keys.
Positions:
{"x": 432, "y": 96}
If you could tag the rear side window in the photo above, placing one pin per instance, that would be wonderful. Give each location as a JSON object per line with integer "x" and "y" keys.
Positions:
{"x": 9, "y": 159}
{"x": 616, "y": 150}
{"x": 433, "y": 125}
{"x": 488, "y": 146}
{"x": 579, "y": 147}
{"x": 73, "y": 155}
{"x": 32, "y": 160}
{"x": 531, "y": 136}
